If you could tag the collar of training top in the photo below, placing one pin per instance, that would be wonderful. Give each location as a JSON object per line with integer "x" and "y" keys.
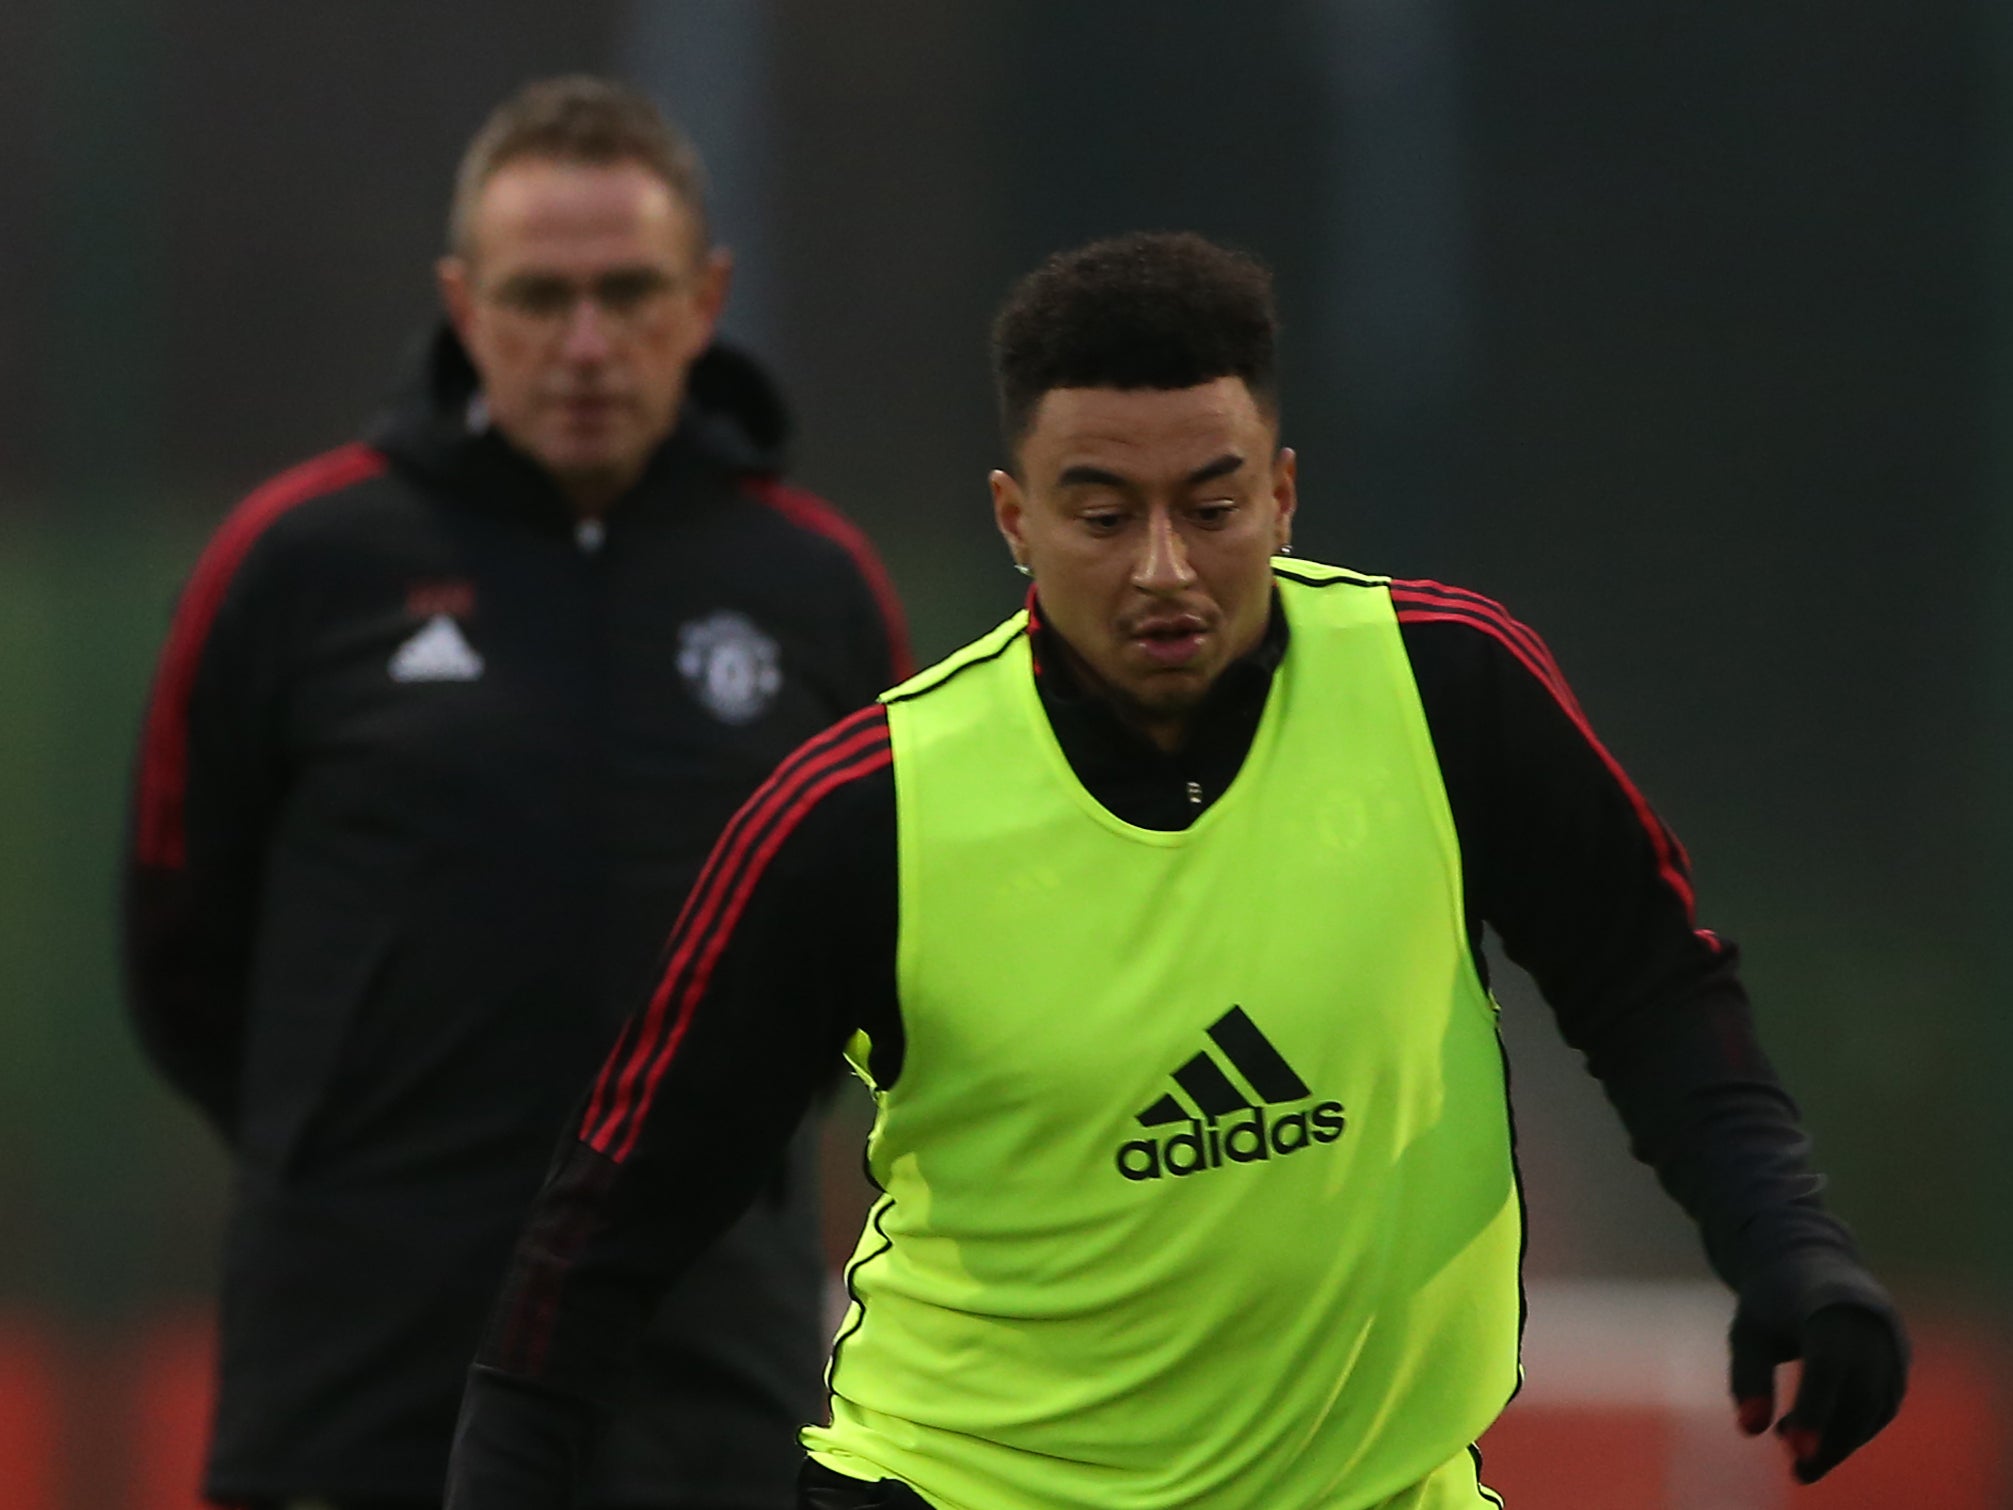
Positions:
{"x": 1087, "y": 721}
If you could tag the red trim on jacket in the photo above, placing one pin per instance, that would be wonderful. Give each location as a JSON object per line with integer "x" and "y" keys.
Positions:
{"x": 1423, "y": 601}
{"x": 854, "y": 747}
{"x": 164, "y": 757}
{"x": 813, "y": 513}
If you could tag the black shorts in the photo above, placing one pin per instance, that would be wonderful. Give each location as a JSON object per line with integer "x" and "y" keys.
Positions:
{"x": 819, "y": 1488}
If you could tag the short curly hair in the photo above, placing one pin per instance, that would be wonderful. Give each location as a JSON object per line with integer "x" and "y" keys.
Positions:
{"x": 577, "y": 118}
{"x": 1152, "y": 309}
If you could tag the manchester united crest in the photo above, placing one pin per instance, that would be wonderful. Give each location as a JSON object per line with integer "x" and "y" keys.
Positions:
{"x": 733, "y": 668}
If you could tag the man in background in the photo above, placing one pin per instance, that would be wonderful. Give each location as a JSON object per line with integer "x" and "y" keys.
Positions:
{"x": 444, "y": 726}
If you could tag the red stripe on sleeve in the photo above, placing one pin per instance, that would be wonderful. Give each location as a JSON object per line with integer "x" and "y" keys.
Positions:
{"x": 161, "y": 838}
{"x": 814, "y": 514}
{"x": 617, "y": 1076}
{"x": 629, "y": 1077}
{"x": 1430, "y": 603}
{"x": 716, "y": 941}
{"x": 1495, "y": 613}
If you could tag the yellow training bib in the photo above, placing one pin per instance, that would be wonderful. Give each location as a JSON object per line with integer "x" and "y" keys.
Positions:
{"x": 1198, "y": 1188}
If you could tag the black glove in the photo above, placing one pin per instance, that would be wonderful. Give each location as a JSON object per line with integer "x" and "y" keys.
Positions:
{"x": 1820, "y": 1306}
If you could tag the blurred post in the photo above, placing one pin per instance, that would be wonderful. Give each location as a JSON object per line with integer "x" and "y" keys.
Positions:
{"x": 1991, "y": 1183}
{"x": 708, "y": 64}
{"x": 102, "y": 345}
{"x": 1394, "y": 314}
{"x": 104, "y": 339}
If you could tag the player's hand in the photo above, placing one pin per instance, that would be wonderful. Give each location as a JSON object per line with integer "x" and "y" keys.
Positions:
{"x": 1827, "y": 1311}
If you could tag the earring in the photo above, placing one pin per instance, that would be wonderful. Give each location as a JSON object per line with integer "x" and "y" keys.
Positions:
{"x": 1023, "y": 568}
{"x": 1284, "y": 550}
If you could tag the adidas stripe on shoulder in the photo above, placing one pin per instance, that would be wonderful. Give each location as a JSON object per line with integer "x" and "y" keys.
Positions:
{"x": 1427, "y": 602}
{"x": 853, "y": 748}
{"x": 159, "y": 835}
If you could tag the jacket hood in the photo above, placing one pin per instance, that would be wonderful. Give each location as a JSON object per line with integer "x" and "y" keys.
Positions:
{"x": 436, "y": 424}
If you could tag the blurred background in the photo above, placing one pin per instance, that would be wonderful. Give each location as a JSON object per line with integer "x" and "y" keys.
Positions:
{"x": 1686, "y": 331}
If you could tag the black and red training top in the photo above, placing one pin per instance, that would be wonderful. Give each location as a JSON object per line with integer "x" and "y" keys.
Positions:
{"x": 787, "y": 945}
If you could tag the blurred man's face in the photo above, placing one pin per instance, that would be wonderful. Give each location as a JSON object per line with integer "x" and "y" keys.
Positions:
{"x": 583, "y": 297}
{"x": 1150, "y": 518}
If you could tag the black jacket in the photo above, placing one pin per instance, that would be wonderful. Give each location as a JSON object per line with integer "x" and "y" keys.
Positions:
{"x": 1560, "y": 855}
{"x": 427, "y": 772}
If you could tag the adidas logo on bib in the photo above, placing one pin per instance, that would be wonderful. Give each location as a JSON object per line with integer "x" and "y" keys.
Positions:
{"x": 439, "y": 652}
{"x": 1208, "y": 1095}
